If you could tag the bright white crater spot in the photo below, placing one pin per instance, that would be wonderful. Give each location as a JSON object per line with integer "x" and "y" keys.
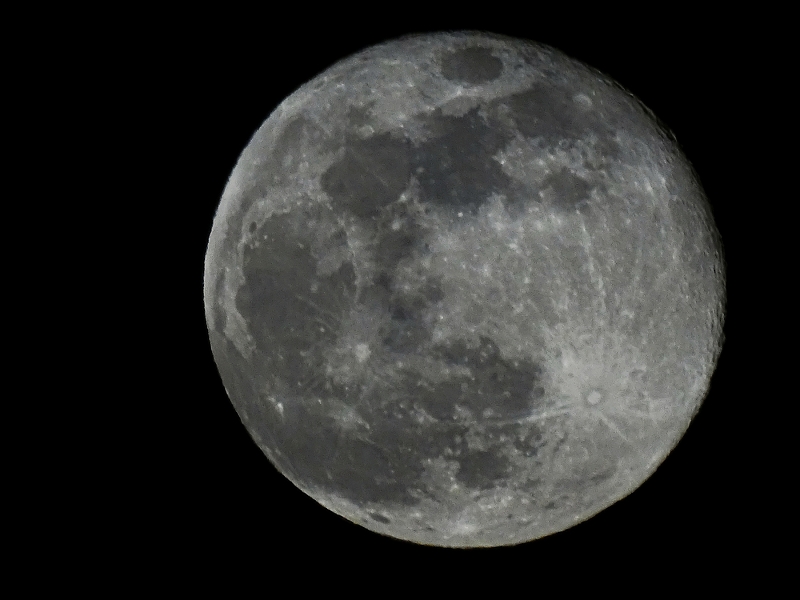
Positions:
{"x": 362, "y": 352}
{"x": 594, "y": 397}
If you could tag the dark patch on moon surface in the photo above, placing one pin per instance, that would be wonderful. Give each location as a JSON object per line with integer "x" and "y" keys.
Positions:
{"x": 360, "y": 469}
{"x": 379, "y": 518}
{"x": 550, "y": 113}
{"x": 372, "y": 173}
{"x": 483, "y": 469}
{"x": 290, "y": 338}
{"x": 471, "y": 65}
{"x": 394, "y": 246}
{"x": 398, "y": 236}
{"x": 547, "y": 113}
{"x": 507, "y": 390}
{"x": 570, "y": 192}
{"x": 277, "y": 274}
{"x": 407, "y": 330}
{"x": 384, "y": 465}
{"x": 456, "y": 167}
{"x": 387, "y": 462}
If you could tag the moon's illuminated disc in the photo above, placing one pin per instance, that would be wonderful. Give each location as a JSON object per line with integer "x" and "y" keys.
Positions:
{"x": 464, "y": 291}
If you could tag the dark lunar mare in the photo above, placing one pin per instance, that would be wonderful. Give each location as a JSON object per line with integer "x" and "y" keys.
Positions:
{"x": 387, "y": 463}
{"x": 471, "y": 65}
{"x": 372, "y": 173}
{"x": 455, "y": 167}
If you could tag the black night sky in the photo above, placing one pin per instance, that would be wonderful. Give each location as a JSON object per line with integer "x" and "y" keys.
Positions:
{"x": 210, "y": 493}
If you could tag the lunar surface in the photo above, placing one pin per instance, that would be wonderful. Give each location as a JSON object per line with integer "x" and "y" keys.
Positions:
{"x": 464, "y": 291}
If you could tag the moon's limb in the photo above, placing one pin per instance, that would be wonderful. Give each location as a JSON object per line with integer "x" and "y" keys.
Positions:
{"x": 464, "y": 291}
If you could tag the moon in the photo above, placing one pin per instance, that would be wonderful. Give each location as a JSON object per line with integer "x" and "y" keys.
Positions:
{"x": 464, "y": 290}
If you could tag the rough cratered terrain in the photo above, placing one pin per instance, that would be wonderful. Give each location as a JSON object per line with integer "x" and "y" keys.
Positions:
{"x": 464, "y": 291}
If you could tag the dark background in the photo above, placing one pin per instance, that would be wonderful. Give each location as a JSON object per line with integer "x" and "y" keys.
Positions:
{"x": 206, "y": 493}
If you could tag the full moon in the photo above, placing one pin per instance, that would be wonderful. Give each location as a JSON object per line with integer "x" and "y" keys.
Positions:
{"x": 464, "y": 290}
